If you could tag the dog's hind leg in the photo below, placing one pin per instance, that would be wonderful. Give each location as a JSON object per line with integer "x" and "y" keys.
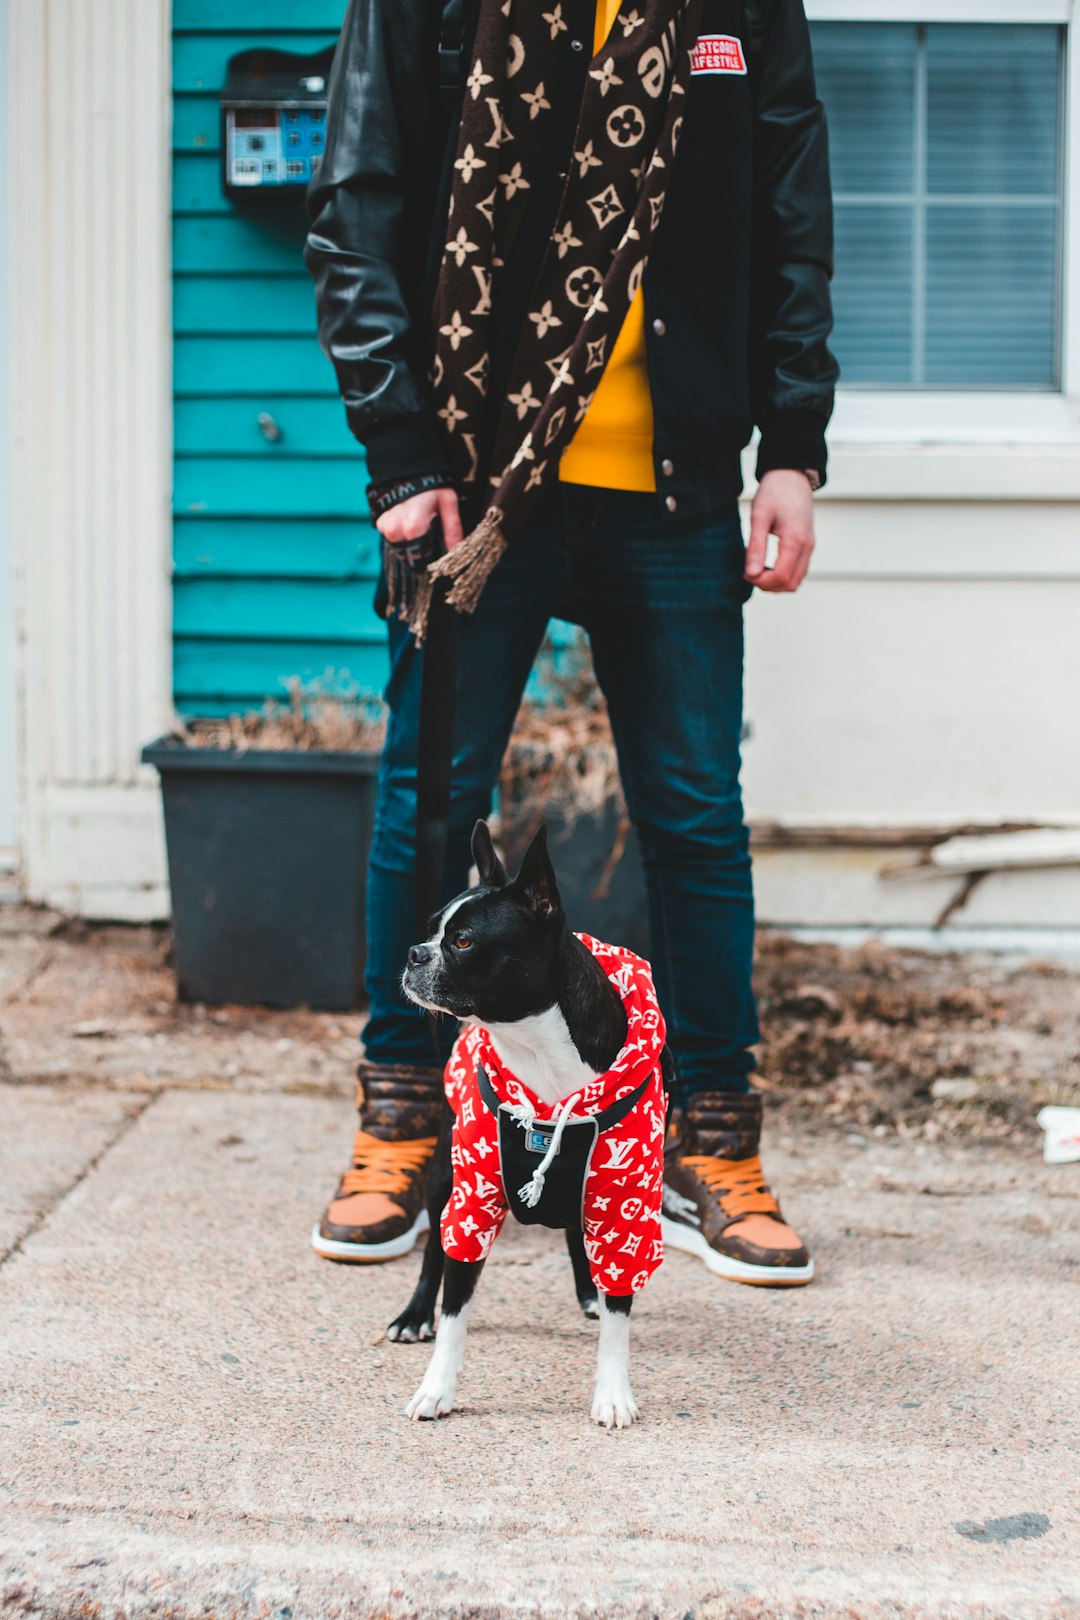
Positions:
{"x": 435, "y": 1397}
{"x": 588, "y": 1296}
{"x": 613, "y": 1402}
{"x": 417, "y": 1320}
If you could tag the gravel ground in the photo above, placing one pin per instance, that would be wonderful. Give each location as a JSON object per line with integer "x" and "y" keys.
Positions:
{"x": 963, "y": 1046}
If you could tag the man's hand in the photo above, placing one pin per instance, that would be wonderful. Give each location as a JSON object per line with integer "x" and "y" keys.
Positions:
{"x": 414, "y": 517}
{"x": 784, "y": 506}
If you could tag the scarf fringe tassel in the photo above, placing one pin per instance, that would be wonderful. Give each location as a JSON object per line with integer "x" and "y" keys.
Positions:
{"x": 468, "y": 567}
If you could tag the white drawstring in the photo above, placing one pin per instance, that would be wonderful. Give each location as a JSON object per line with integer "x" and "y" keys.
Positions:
{"x": 531, "y": 1193}
{"x": 522, "y": 1110}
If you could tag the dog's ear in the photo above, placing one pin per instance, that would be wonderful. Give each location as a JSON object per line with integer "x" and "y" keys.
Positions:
{"x": 491, "y": 869}
{"x": 536, "y": 883}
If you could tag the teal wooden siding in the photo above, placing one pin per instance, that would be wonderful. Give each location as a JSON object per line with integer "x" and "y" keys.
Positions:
{"x": 274, "y": 555}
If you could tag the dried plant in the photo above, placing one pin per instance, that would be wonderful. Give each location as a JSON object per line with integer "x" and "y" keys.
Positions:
{"x": 561, "y": 760}
{"x": 312, "y": 718}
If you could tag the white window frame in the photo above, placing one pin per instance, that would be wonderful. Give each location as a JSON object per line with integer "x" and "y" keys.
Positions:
{"x": 1008, "y": 419}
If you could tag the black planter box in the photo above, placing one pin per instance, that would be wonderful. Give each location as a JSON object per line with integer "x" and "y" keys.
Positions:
{"x": 267, "y": 859}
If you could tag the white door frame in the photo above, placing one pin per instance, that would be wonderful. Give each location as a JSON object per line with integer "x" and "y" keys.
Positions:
{"x": 7, "y": 576}
{"x": 91, "y": 452}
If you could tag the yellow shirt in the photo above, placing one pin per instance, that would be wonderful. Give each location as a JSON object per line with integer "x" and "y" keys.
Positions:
{"x": 613, "y": 444}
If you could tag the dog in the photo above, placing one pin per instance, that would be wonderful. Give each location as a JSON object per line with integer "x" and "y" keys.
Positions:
{"x": 556, "y": 1113}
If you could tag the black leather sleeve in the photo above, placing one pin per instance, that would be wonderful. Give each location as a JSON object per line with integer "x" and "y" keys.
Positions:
{"x": 369, "y": 206}
{"x": 792, "y": 371}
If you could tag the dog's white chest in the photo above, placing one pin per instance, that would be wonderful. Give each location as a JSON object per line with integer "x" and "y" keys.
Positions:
{"x": 541, "y": 1053}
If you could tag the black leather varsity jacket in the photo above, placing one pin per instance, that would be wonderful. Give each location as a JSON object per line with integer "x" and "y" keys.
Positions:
{"x": 736, "y": 289}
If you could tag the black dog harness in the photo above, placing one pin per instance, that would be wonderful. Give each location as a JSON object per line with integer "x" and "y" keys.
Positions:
{"x": 521, "y": 1148}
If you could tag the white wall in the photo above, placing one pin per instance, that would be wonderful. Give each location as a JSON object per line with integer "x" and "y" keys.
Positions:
{"x": 928, "y": 673}
{"x": 927, "y": 676}
{"x": 91, "y": 471}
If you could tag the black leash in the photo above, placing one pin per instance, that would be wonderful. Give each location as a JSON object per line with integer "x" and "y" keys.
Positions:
{"x": 434, "y": 754}
{"x": 435, "y": 739}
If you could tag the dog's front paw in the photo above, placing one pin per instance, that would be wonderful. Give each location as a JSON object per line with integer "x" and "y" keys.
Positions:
{"x": 614, "y": 1406}
{"x": 407, "y": 1329}
{"x": 432, "y": 1400}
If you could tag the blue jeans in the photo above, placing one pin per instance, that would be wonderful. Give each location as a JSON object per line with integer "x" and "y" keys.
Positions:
{"x": 664, "y": 618}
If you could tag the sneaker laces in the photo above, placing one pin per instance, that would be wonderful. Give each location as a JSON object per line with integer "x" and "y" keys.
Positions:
{"x": 385, "y": 1167}
{"x": 739, "y": 1184}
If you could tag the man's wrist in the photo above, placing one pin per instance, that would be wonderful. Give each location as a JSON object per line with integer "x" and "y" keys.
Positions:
{"x": 811, "y": 474}
{"x": 793, "y": 440}
{"x": 381, "y": 497}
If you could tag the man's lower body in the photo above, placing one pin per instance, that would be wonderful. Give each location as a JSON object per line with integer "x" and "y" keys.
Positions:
{"x": 664, "y": 619}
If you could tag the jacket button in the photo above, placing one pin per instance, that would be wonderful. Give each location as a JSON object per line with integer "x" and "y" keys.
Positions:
{"x": 671, "y": 503}
{"x": 659, "y": 327}
{"x": 667, "y": 468}
{"x": 576, "y": 45}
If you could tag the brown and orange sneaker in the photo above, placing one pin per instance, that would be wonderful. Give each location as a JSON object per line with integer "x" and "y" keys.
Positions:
{"x": 378, "y": 1210}
{"x": 717, "y": 1203}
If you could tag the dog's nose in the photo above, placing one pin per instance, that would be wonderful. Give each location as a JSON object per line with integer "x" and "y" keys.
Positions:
{"x": 419, "y": 954}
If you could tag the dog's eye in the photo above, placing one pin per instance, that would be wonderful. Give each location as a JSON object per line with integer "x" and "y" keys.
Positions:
{"x": 461, "y": 942}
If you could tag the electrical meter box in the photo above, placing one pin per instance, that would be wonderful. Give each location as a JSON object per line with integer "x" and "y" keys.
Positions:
{"x": 273, "y": 121}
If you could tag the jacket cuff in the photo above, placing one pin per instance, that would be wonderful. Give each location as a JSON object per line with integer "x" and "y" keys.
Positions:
{"x": 404, "y": 447}
{"x": 793, "y": 439}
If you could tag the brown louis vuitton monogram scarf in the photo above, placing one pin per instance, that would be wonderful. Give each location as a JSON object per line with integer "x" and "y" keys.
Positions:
{"x": 625, "y": 141}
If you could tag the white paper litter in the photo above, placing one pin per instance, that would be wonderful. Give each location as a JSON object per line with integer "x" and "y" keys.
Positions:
{"x": 1062, "y": 1127}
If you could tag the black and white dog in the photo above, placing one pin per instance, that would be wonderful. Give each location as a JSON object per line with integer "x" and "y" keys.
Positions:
{"x": 501, "y": 957}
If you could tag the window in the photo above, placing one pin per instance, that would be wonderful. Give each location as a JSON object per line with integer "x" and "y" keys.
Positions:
{"x": 948, "y": 176}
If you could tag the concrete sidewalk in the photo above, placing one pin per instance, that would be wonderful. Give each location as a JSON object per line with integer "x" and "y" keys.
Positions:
{"x": 200, "y": 1418}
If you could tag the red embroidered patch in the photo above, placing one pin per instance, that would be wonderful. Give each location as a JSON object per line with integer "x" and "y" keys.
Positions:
{"x": 718, "y": 53}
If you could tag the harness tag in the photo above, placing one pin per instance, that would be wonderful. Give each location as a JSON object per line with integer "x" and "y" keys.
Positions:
{"x": 538, "y": 1139}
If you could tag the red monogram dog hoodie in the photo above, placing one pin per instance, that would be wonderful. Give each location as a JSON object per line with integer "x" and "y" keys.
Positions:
{"x": 625, "y": 1176}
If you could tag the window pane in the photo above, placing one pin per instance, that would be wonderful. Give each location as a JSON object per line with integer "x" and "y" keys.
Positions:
{"x": 947, "y": 170}
{"x": 991, "y": 295}
{"x": 992, "y": 109}
{"x": 866, "y": 78}
{"x": 873, "y": 293}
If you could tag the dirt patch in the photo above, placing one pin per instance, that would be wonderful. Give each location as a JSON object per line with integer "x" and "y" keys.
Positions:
{"x": 916, "y": 1042}
{"x": 877, "y": 1040}
{"x": 98, "y": 1005}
